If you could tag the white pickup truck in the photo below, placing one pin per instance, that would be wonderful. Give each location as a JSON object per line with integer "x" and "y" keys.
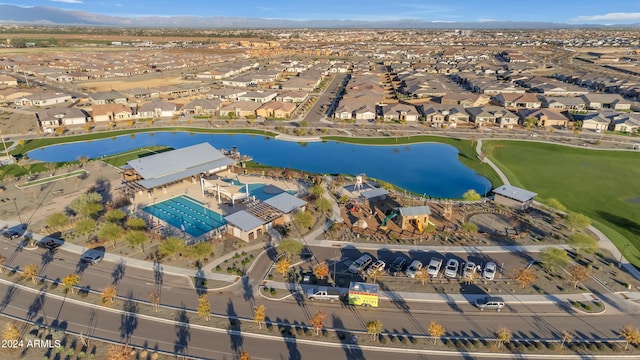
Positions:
{"x": 323, "y": 293}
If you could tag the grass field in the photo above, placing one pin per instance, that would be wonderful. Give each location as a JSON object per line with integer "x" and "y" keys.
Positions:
{"x": 38, "y": 143}
{"x": 466, "y": 150}
{"x": 120, "y": 160}
{"x": 600, "y": 184}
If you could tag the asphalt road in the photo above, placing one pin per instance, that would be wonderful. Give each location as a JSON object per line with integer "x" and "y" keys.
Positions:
{"x": 528, "y": 321}
{"x": 325, "y": 98}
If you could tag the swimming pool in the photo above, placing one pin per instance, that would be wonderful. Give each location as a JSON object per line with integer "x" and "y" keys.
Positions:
{"x": 188, "y": 214}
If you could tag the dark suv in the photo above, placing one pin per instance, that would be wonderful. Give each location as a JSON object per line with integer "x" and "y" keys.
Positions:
{"x": 397, "y": 266}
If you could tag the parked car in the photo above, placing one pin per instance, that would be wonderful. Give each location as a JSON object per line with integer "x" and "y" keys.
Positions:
{"x": 11, "y": 234}
{"x": 469, "y": 270}
{"x": 490, "y": 302}
{"x": 49, "y": 243}
{"x": 92, "y": 256}
{"x": 360, "y": 264}
{"x": 398, "y": 265}
{"x": 434, "y": 267}
{"x": 489, "y": 270}
{"x": 451, "y": 270}
{"x": 413, "y": 269}
{"x": 377, "y": 266}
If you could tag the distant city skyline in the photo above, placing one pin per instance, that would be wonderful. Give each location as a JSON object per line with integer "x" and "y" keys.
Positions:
{"x": 565, "y": 11}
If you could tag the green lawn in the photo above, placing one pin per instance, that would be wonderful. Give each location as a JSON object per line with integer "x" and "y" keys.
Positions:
{"x": 38, "y": 143}
{"x": 466, "y": 150}
{"x": 119, "y": 160}
{"x": 600, "y": 184}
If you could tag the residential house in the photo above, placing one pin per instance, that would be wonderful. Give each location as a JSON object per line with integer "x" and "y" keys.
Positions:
{"x": 545, "y": 117}
{"x": 562, "y": 103}
{"x": 111, "y": 113}
{"x": 400, "y": 112}
{"x": 258, "y": 96}
{"x": 202, "y": 107}
{"x": 439, "y": 115}
{"x": 515, "y": 100}
{"x": 293, "y": 96}
{"x": 606, "y": 101}
{"x": 8, "y": 81}
{"x": 156, "y": 110}
{"x": 10, "y": 95}
{"x": 226, "y": 94}
{"x": 465, "y": 99}
{"x": 140, "y": 93}
{"x": 627, "y": 123}
{"x": 595, "y": 121}
{"x": 51, "y": 119}
{"x": 491, "y": 114}
{"x": 276, "y": 109}
{"x": 240, "y": 108}
{"x": 108, "y": 97}
{"x": 41, "y": 99}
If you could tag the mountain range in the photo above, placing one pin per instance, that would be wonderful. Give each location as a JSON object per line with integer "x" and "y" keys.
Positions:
{"x": 44, "y": 15}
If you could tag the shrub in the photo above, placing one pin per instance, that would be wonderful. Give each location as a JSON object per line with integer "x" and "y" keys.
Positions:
{"x": 403, "y": 341}
{"x": 592, "y": 347}
{"x": 382, "y": 340}
{"x": 218, "y": 268}
{"x": 601, "y": 346}
{"x": 393, "y": 338}
{"x": 270, "y": 277}
{"x": 520, "y": 347}
{"x": 587, "y": 307}
{"x": 273, "y": 292}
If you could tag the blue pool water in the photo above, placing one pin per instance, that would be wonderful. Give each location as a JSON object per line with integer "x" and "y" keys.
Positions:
{"x": 183, "y": 211}
{"x": 427, "y": 168}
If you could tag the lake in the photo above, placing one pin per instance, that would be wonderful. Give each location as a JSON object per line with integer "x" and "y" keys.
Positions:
{"x": 427, "y": 168}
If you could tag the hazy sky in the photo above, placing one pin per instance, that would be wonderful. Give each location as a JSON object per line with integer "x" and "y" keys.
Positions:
{"x": 565, "y": 11}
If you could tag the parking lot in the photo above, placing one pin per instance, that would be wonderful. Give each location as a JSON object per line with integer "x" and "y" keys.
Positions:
{"x": 340, "y": 260}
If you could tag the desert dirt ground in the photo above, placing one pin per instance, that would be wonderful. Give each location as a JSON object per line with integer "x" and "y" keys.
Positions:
{"x": 121, "y": 84}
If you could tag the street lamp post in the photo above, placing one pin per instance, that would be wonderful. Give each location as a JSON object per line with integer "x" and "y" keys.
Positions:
{"x": 17, "y": 210}
{"x": 624, "y": 249}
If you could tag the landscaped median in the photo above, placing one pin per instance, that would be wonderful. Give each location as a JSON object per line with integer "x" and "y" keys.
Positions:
{"x": 501, "y": 343}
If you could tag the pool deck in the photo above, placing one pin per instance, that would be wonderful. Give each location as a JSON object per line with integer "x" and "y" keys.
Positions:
{"x": 192, "y": 190}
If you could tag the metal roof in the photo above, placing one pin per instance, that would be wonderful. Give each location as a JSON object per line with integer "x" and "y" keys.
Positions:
{"x": 374, "y": 193}
{"x": 167, "y": 167}
{"x": 515, "y": 193}
{"x": 243, "y": 220}
{"x": 285, "y": 202}
{"x": 415, "y": 210}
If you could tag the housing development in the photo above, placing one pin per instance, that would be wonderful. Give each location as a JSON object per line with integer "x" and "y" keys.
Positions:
{"x": 301, "y": 193}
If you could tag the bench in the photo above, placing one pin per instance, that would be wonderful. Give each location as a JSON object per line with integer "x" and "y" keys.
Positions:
{"x": 58, "y": 192}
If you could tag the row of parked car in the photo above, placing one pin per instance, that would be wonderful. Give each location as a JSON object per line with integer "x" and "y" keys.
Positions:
{"x": 399, "y": 267}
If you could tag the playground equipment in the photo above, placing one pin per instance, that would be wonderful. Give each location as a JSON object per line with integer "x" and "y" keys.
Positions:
{"x": 387, "y": 218}
{"x": 418, "y": 225}
{"x": 448, "y": 209}
{"x": 359, "y": 182}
